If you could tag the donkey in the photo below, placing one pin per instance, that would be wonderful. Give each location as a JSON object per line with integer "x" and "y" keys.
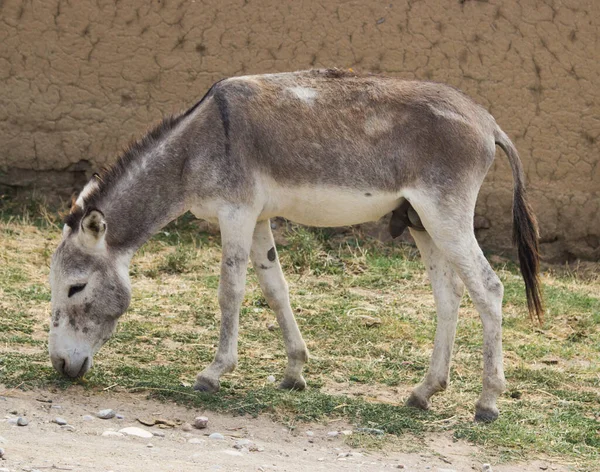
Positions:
{"x": 318, "y": 147}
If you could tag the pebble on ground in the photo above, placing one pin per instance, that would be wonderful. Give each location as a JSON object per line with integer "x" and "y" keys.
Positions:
{"x": 134, "y": 431}
{"x": 201, "y": 422}
{"x": 106, "y": 414}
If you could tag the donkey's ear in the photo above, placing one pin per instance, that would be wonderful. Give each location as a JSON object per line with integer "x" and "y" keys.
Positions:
{"x": 93, "y": 229}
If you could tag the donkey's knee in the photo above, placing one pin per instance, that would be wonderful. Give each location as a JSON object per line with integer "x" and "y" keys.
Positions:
{"x": 276, "y": 293}
{"x": 488, "y": 297}
{"x": 492, "y": 283}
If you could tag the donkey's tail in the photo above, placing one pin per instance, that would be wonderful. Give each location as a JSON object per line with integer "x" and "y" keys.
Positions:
{"x": 525, "y": 229}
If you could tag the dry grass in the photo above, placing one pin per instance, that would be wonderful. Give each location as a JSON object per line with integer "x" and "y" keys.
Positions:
{"x": 359, "y": 369}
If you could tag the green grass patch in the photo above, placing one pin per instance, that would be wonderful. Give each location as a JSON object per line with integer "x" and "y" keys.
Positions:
{"x": 366, "y": 312}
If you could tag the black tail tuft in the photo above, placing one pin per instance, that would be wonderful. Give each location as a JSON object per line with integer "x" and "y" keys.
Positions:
{"x": 525, "y": 238}
{"x": 525, "y": 231}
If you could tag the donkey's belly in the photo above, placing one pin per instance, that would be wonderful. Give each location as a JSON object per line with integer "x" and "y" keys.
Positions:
{"x": 329, "y": 206}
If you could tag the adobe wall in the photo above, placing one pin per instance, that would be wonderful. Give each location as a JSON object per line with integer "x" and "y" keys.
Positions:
{"x": 79, "y": 79}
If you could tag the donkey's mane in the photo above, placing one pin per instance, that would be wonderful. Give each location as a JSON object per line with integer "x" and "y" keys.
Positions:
{"x": 135, "y": 151}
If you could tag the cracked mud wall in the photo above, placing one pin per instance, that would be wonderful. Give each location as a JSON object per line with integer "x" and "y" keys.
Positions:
{"x": 80, "y": 79}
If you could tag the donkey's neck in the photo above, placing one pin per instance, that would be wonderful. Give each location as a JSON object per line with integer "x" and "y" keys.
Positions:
{"x": 147, "y": 194}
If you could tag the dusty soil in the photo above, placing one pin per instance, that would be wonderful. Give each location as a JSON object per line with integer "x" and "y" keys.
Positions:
{"x": 43, "y": 445}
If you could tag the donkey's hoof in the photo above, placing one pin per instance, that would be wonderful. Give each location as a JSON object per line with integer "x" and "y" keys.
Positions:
{"x": 206, "y": 384}
{"x": 418, "y": 402}
{"x": 486, "y": 415}
{"x": 293, "y": 384}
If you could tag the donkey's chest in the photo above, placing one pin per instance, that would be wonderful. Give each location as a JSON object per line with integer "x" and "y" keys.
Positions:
{"x": 328, "y": 206}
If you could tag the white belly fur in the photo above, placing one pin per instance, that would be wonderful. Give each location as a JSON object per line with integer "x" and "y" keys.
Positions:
{"x": 327, "y": 206}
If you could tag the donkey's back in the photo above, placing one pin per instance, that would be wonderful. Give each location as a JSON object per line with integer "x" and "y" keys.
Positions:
{"x": 340, "y": 129}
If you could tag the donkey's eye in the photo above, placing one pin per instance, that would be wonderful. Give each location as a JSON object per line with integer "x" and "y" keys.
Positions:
{"x": 73, "y": 289}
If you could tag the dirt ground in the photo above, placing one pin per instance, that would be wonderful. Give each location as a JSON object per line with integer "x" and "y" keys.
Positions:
{"x": 43, "y": 445}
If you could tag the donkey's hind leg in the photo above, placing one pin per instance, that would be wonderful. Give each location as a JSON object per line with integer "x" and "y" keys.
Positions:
{"x": 275, "y": 289}
{"x": 449, "y": 222}
{"x": 447, "y": 293}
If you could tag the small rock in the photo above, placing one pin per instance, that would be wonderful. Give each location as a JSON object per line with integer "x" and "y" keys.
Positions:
{"x": 333, "y": 434}
{"x": 378, "y": 432}
{"x": 108, "y": 434}
{"x": 242, "y": 443}
{"x": 196, "y": 441}
{"x": 217, "y": 436}
{"x": 57, "y": 407}
{"x": 271, "y": 379}
{"x": 186, "y": 427}
{"x": 22, "y": 421}
{"x": 310, "y": 434}
{"x": 106, "y": 414}
{"x": 349, "y": 454}
{"x": 160, "y": 434}
{"x": 119, "y": 416}
{"x": 486, "y": 468}
{"x": 88, "y": 417}
{"x": 134, "y": 431}
{"x": 149, "y": 445}
{"x": 68, "y": 427}
{"x": 60, "y": 421}
{"x": 201, "y": 422}
{"x": 400, "y": 466}
{"x": 2, "y": 452}
{"x": 232, "y": 453}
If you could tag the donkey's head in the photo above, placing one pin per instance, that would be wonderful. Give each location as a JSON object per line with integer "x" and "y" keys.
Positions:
{"x": 90, "y": 291}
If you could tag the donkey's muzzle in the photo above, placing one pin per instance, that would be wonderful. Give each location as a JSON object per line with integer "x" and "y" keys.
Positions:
{"x": 72, "y": 368}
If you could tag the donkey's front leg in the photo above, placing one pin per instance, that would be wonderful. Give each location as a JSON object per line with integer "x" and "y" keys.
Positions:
{"x": 275, "y": 289}
{"x": 237, "y": 226}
